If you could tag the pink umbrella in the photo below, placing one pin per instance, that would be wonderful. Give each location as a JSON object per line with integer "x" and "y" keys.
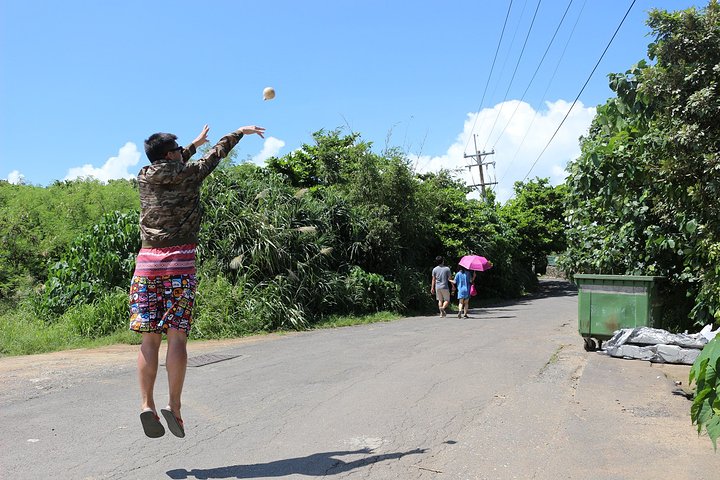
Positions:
{"x": 475, "y": 262}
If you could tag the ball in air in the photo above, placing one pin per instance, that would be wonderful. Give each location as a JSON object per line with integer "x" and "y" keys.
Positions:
{"x": 268, "y": 93}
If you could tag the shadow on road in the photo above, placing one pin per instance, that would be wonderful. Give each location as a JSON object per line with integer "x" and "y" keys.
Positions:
{"x": 555, "y": 288}
{"x": 547, "y": 288}
{"x": 316, "y": 465}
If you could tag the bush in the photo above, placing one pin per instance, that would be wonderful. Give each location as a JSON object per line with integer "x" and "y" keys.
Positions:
{"x": 415, "y": 293}
{"x": 107, "y": 314}
{"x": 100, "y": 260}
{"x": 222, "y": 309}
{"x": 331, "y": 230}
{"x": 704, "y": 411}
{"x": 370, "y": 292}
{"x": 39, "y": 223}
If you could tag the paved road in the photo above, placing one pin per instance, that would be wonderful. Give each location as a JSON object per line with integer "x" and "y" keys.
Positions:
{"x": 506, "y": 394}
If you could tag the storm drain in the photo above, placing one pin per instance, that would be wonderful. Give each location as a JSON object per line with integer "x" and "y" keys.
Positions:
{"x": 202, "y": 360}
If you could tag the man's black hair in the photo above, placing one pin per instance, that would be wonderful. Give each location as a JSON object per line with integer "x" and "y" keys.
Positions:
{"x": 438, "y": 260}
{"x": 159, "y": 144}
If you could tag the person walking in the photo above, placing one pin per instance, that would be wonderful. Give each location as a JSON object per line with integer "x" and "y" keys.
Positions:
{"x": 440, "y": 285}
{"x": 462, "y": 281}
{"x": 162, "y": 290}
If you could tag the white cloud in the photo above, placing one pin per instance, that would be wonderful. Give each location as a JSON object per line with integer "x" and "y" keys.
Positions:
{"x": 517, "y": 133}
{"x": 114, "y": 167}
{"x": 16, "y": 178}
{"x": 271, "y": 147}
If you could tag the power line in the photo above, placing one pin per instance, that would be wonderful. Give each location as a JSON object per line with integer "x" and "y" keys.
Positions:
{"x": 581, "y": 90}
{"x": 522, "y": 51}
{"x": 492, "y": 67}
{"x": 507, "y": 56}
{"x": 544, "y": 95}
{"x": 487, "y": 83}
{"x": 534, "y": 73}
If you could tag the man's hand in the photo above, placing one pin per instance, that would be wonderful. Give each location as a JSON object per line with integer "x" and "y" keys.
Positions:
{"x": 251, "y": 129}
{"x": 202, "y": 138}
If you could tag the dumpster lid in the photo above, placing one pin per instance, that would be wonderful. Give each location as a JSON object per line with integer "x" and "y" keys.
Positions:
{"x": 640, "y": 278}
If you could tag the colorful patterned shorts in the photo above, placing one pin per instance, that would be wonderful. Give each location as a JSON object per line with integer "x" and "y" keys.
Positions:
{"x": 159, "y": 303}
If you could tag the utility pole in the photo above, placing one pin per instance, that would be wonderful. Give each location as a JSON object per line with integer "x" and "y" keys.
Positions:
{"x": 478, "y": 157}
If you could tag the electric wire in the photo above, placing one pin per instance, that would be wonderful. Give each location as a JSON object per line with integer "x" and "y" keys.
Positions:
{"x": 492, "y": 67}
{"x": 506, "y": 57}
{"x": 544, "y": 95}
{"x": 487, "y": 83}
{"x": 537, "y": 69}
{"x": 517, "y": 64}
{"x": 581, "y": 90}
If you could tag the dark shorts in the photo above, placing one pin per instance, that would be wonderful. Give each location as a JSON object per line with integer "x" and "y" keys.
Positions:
{"x": 162, "y": 302}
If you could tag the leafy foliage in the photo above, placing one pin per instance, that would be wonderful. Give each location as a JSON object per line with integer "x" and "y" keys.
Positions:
{"x": 536, "y": 214}
{"x": 295, "y": 250}
{"x": 468, "y": 226}
{"x": 705, "y": 410}
{"x": 106, "y": 314}
{"x": 37, "y": 225}
{"x": 96, "y": 262}
{"x": 370, "y": 292}
{"x": 329, "y": 230}
{"x": 642, "y": 197}
{"x": 334, "y": 228}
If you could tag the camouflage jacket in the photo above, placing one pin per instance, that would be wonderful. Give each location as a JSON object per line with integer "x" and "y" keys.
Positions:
{"x": 170, "y": 210}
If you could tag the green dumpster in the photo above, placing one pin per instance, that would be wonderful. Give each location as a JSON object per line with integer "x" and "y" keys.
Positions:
{"x": 607, "y": 303}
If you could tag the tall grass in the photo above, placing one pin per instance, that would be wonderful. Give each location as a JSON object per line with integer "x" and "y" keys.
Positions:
{"x": 103, "y": 322}
{"x": 22, "y": 333}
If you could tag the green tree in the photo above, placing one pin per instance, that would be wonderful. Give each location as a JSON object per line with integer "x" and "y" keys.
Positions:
{"x": 643, "y": 194}
{"x": 536, "y": 213}
{"x": 467, "y": 226}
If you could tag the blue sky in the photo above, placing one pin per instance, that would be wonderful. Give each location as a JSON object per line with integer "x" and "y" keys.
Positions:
{"x": 83, "y": 83}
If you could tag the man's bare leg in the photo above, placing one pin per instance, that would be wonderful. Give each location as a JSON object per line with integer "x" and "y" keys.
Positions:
{"x": 445, "y": 305}
{"x": 176, "y": 365}
{"x": 147, "y": 368}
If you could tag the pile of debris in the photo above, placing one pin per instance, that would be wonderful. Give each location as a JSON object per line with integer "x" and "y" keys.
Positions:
{"x": 658, "y": 346}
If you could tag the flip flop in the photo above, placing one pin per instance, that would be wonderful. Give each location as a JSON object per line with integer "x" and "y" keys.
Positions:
{"x": 174, "y": 423}
{"x": 151, "y": 424}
